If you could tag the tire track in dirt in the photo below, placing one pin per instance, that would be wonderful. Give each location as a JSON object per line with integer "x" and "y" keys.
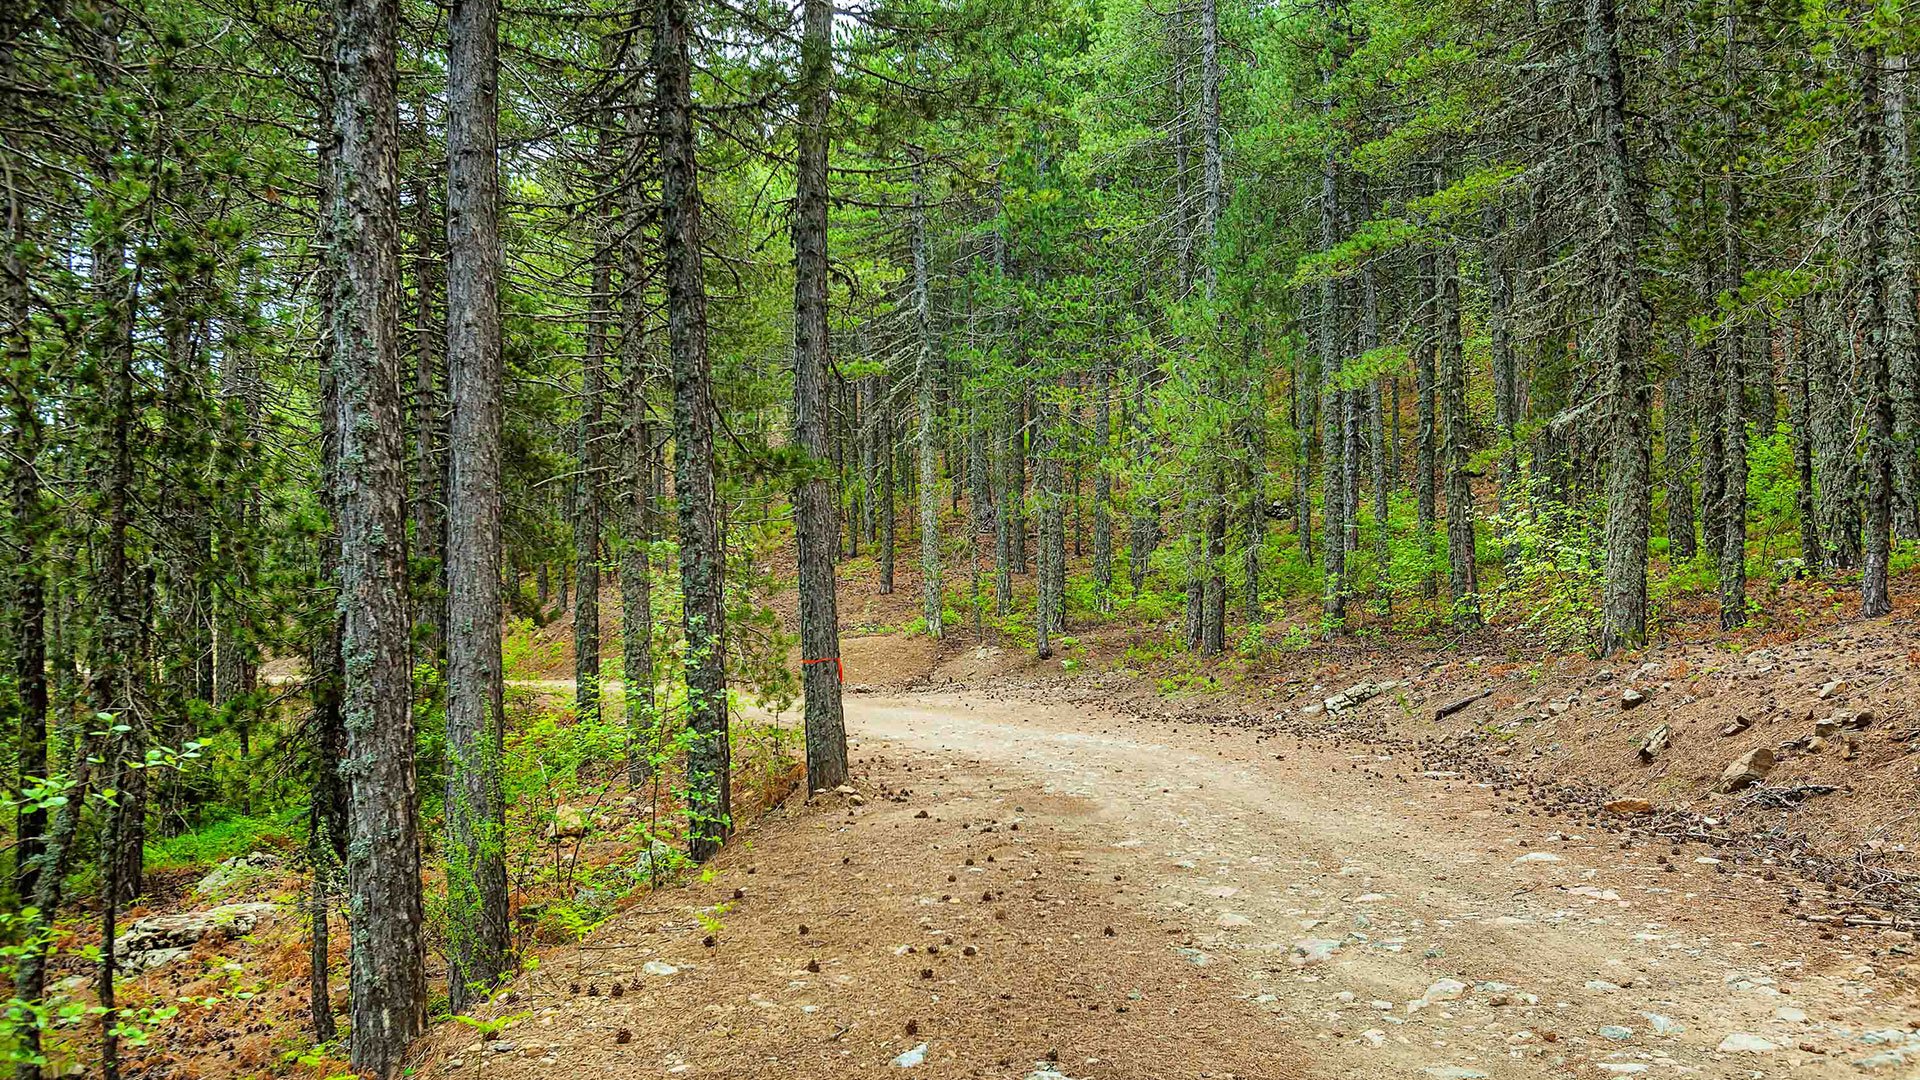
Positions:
{"x": 1400, "y": 924}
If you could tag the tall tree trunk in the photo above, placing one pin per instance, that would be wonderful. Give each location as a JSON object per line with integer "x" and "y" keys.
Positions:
{"x": 980, "y": 496}
{"x": 1506, "y": 376}
{"x": 815, "y": 520}
{"x": 1103, "y": 488}
{"x": 1004, "y": 515}
{"x": 883, "y": 432}
{"x": 1903, "y": 360}
{"x": 115, "y": 686}
{"x": 637, "y": 368}
{"x": 1425, "y": 440}
{"x": 1834, "y": 424}
{"x": 587, "y": 516}
{"x": 383, "y": 857}
{"x": 1047, "y": 496}
{"x": 1022, "y": 426}
{"x": 327, "y": 812}
{"x": 1463, "y": 585}
{"x": 1677, "y": 460}
{"x": 477, "y": 923}
{"x": 1213, "y": 170}
{"x": 1254, "y": 509}
{"x": 1054, "y": 521}
{"x": 1383, "y": 483}
{"x": 1882, "y": 338}
{"x": 926, "y": 379}
{"x": 1732, "y": 511}
{"x": 1213, "y": 615}
{"x": 702, "y": 558}
{"x": 106, "y": 977}
{"x": 1306, "y": 397}
{"x": 430, "y": 465}
{"x": 26, "y": 627}
{"x": 1375, "y": 425}
{"x": 1622, "y": 336}
{"x": 1333, "y": 410}
{"x": 1731, "y": 344}
{"x": 1800, "y": 408}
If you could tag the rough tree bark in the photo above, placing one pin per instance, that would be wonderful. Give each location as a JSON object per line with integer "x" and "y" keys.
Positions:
{"x": 1333, "y": 410}
{"x": 1730, "y": 353}
{"x": 637, "y": 527}
{"x": 1876, "y": 356}
{"x": 26, "y": 629}
{"x": 476, "y": 817}
{"x": 327, "y": 812}
{"x": 883, "y": 432}
{"x": 816, "y": 520}
{"x": 1425, "y": 442}
{"x": 383, "y": 856}
{"x": 430, "y": 465}
{"x": 1622, "y": 341}
{"x": 702, "y": 559}
{"x": 1103, "y": 487}
{"x": 926, "y": 379}
{"x": 587, "y": 516}
{"x": 1463, "y": 586}
{"x": 1903, "y": 360}
{"x": 1677, "y": 460}
{"x": 1800, "y": 411}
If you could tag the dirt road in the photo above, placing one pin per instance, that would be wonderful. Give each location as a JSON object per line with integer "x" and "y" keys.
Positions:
{"x": 1343, "y": 899}
{"x": 1151, "y": 899}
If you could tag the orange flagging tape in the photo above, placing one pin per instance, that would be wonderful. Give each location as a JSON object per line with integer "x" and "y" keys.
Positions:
{"x": 840, "y": 672}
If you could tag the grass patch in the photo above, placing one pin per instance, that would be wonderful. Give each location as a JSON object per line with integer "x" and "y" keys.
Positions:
{"x": 224, "y": 839}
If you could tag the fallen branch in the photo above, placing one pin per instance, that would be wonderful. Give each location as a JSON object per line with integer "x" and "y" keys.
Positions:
{"x": 1452, "y": 707}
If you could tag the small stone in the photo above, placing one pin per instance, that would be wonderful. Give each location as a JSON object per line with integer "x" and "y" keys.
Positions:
{"x": 568, "y": 823}
{"x": 913, "y": 1057}
{"x": 1742, "y": 1043}
{"x": 1655, "y": 742}
{"x": 1312, "y": 951}
{"x": 1663, "y": 1025}
{"x": 1630, "y": 698}
{"x": 659, "y": 967}
{"x": 1538, "y": 857}
{"x": 1745, "y": 771}
{"x": 1616, "y": 1032}
{"x": 1737, "y": 725}
{"x": 1837, "y": 686}
{"x": 1628, "y": 807}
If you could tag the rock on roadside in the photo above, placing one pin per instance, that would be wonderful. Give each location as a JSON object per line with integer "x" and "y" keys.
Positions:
{"x": 1745, "y": 771}
{"x": 159, "y": 939}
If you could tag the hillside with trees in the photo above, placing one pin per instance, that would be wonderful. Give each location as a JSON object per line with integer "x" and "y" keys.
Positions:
{"x": 472, "y": 471}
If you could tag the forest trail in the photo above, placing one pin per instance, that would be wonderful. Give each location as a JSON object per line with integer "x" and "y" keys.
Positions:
{"x": 1276, "y": 909}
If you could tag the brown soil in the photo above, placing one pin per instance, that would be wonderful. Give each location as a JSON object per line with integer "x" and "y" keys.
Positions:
{"x": 951, "y": 906}
{"x": 1218, "y": 855}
